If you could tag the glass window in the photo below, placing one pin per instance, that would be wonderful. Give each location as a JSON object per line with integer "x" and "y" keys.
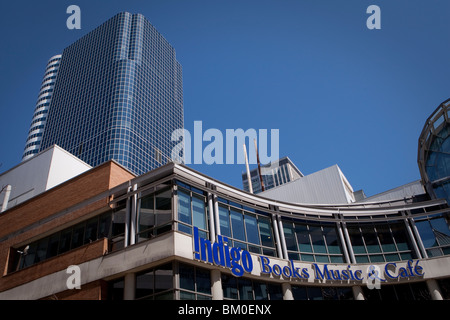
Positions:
{"x": 53, "y": 245}
{"x": 291, "y": 242}
{"x": 64, "y": 243}
{"x": 245, "y": 289}
{"x": 302, "y": 233}
{"x": 332, "y": 240}
{"x": 41, "y": 251}
{"x": 146, "y": 213}
{"x": 163, "y": 278}
{"x": 90, "y": 233}
{"x": 144, "y": 284}
{"x": 184, "y": 207}
{"x": 356, "y": 240}
{"x": 317, "y": 239}
{"x": 229, "y": 287}
{"x": 426, "y": 233}
{"x": 224, "y": 218}
{"x": 237, "y": 224}
{"x": 386, "y": 239}
{"x": 187, "y": 280}
{"x": 199, "y": 212}
{"x": 203, "y": 281}
{"x": 371, "y": 239}
{"x": 265, "y": 230}
{"x": 251, "y": 228}
{"x": 261, "y": 291}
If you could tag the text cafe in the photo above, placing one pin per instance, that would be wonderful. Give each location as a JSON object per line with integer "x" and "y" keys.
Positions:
{"x": 240, "y": 261}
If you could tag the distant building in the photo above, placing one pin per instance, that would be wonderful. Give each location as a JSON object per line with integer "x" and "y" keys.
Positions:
{"x": 273, "y": 175}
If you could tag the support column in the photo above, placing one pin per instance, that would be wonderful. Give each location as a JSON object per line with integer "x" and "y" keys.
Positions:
{"x": 212, "y": 224}
{"x": 216, "y": 285}
{"x": 433, "y": 287}
{"x": 287, "y": 291}
{"x": 277, "y": 236}
{"x": 358, "y": 293}
{"x": 129, "y": 286}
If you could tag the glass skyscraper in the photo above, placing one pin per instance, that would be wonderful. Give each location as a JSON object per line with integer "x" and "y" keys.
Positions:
{"x": 118, "y": 95}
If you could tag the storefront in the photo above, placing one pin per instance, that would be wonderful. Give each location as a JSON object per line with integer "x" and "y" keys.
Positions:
{"x": 174, "y": 233}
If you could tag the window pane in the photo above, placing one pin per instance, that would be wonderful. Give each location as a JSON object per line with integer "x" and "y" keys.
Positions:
{"x": 275, "y": 292}
{"x": 41, "y": 251}
{"x": 386, "y": 240}
{"x": 261, "y": 291}
{"x": 53, "y": 245}
{"x": 146, "y": 213}
{"x": 90, "y": 233}
{"x": 203, "y": 280}
{"x": 332, "y": 239}
{"x": 118, "y": 222}
{"x": 144, "y": 284}
{"x": 224, "y": 218}
{"x": 163, "y": 278}
{"x": 198, "y": 212}
{"x": 184, "y": 207}
{"x": 104, "y": 225}
{"x": 251, "y": 228}
{"x": 441, "y": 231}
{"x": 77, "y": 236}
{"x": 371, "y": 239}
{"x": 163, "y": 207}
{"x": 265, "y": 230}
{"x": 426, "y": 233}
{"x": 229, "y": 287}
{"x": 64, "y": 243}
{"x": 291, "y": 242}
{"x": 400, "y": 236}
{"x": 237, "y": 225}
{"x": 245, "y": 289}
{"x": 356, "y": 240}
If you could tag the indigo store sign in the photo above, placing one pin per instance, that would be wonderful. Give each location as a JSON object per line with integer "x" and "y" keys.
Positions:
{"x": 240, "y": 261}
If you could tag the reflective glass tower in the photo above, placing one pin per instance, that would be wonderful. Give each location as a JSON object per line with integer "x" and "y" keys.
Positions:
{"x": 118, "y": 95}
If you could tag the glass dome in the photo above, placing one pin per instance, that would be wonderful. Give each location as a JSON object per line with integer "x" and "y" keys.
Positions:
{"x": 434, "y": 153}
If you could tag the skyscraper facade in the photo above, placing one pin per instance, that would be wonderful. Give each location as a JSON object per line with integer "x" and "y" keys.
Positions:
{"x": 118, "y": 95}
{"x": 39, "y": 120}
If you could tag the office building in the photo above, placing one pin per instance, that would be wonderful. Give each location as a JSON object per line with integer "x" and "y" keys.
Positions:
{"x": 273, "y": 174}
{"x": 118, "y": 95}
{"x": 39, "y": 119}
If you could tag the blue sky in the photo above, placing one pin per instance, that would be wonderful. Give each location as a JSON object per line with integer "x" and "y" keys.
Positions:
{"x": 338, "y": 92}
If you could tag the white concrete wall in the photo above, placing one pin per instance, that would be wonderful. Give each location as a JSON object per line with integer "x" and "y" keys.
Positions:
{"x": 40, "y": 173}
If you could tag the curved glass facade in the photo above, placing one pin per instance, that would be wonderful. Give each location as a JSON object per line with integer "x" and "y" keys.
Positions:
{"x": 39, "y": 120}
{"x": 315, "y": 252}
